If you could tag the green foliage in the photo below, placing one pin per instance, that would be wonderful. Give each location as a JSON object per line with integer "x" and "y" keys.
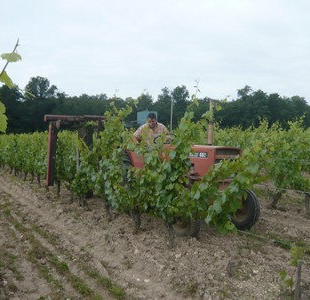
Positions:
{"x": 24, "y": 152}
{"x": 163, "y": 187}
{"x": 3, "y": 118}
{"x": 244, "y": 172}
{"x": 82, "y": 183}
{"x": 297, "y": 254}
{"x": 282, "y": 154}
{"x": 252, "y": 106}
{"x": 6, "y": 80}
{"x": 287, "y": 280}
{"x": 41, "y": 97}
{"x": 66, "y": 156}
{"x": 164, "y": 182}
{"x": 110, "y": 179}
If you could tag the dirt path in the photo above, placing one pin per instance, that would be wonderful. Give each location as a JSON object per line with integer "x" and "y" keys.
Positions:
{"x": 51, "y": 247}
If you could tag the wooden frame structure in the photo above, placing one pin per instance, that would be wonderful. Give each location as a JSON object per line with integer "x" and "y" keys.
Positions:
{"x": 55, "y": 123}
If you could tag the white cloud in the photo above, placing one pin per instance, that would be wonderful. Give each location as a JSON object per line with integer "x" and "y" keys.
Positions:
{"x": 98, "y": 46}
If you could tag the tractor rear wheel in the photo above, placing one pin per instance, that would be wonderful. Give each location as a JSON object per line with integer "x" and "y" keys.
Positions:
{"x": 247, "y": 215}
{"x": 186, "y": 227}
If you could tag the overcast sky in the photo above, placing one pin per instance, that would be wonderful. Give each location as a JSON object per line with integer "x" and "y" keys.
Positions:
{"x": 129, "y": 47}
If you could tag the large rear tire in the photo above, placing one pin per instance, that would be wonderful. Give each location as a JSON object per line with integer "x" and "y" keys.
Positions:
{"x": 247, "y": 215}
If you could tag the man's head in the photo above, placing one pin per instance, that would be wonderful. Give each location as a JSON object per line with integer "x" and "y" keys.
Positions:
{"x": 152, "y": 120}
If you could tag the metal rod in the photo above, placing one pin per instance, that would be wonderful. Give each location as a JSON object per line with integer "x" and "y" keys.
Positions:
{"x": 210, "y": 125}
{"x": 171, "y": 114}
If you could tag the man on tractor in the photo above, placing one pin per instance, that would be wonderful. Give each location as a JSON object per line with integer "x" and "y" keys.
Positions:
{"x": 150, "y": 130}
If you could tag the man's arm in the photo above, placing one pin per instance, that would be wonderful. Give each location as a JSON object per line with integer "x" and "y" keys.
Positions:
{"x": 136, "y": 139}
{"x": 138, "y": 133}
{"x": 164, "y": 129}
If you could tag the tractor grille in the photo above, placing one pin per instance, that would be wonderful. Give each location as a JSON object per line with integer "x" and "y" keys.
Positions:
{"x": 228, "y": 153}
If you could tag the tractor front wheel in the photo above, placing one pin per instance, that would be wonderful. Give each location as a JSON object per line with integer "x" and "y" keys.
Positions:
{"x": 247, "y": 215}
{"x": 186, "y": 227}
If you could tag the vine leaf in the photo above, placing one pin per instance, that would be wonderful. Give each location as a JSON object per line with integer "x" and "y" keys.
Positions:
{"x": 11, "y": 57}
{"x": 4, "y": 78}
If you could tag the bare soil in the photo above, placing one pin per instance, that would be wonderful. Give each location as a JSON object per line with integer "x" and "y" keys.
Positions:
{"x": 52, "y": 248}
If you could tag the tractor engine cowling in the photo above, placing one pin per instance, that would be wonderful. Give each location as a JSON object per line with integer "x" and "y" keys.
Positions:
{"x": 204, "y": 157}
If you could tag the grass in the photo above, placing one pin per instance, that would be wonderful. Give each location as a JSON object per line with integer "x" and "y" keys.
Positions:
{"x": 46, "y": 273}
{"x": 80, "y": 286}
{"x": 127, "y": 263}
{"x": 44, "y": 259}
{"x": 283, "y": 242}
{"x": 261, "y": 192}
{"x": 290, "y": 199}
{"x": 38, "y": 252}
{"x": 105, "y": 282}
{"x": 8, "y": 261}
{"x": 287, "y": 243}
{"x": 12, "y": 288}
{"x": 115, "y": 290}
{"x": 191, "y": 287}
{"x": 51, "y": 238}
{"x": 61, "y": 267}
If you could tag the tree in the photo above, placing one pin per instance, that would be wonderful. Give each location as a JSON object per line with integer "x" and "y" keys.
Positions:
{"x": 244, "y": 92}
{"x": 202, "y": 108}
{"x": 39, "y": 87}
{"x": 162, "y": 106}
{"x": 180, "y": 96}
{"x": 252, "y": 106}
{"x": 145, "y": 102}
{"x": 275, "y": 104}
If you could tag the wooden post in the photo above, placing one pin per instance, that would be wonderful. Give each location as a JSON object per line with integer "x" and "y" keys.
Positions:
{"x": 100, "y": 125}
{"x": 297, "y": 292}
{"x": 51, "y": 153}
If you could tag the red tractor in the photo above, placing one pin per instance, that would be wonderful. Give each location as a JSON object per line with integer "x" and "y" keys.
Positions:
{"x": 202, "y": 158}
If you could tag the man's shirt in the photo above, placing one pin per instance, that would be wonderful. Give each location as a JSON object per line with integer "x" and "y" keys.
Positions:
{"x": 149, "y": 133}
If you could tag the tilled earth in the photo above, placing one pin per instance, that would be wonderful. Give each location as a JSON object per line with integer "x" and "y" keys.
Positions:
{"x": 52, "y": 248}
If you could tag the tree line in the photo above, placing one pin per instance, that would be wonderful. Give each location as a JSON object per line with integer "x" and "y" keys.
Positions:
{"x": 25, "y": 110}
